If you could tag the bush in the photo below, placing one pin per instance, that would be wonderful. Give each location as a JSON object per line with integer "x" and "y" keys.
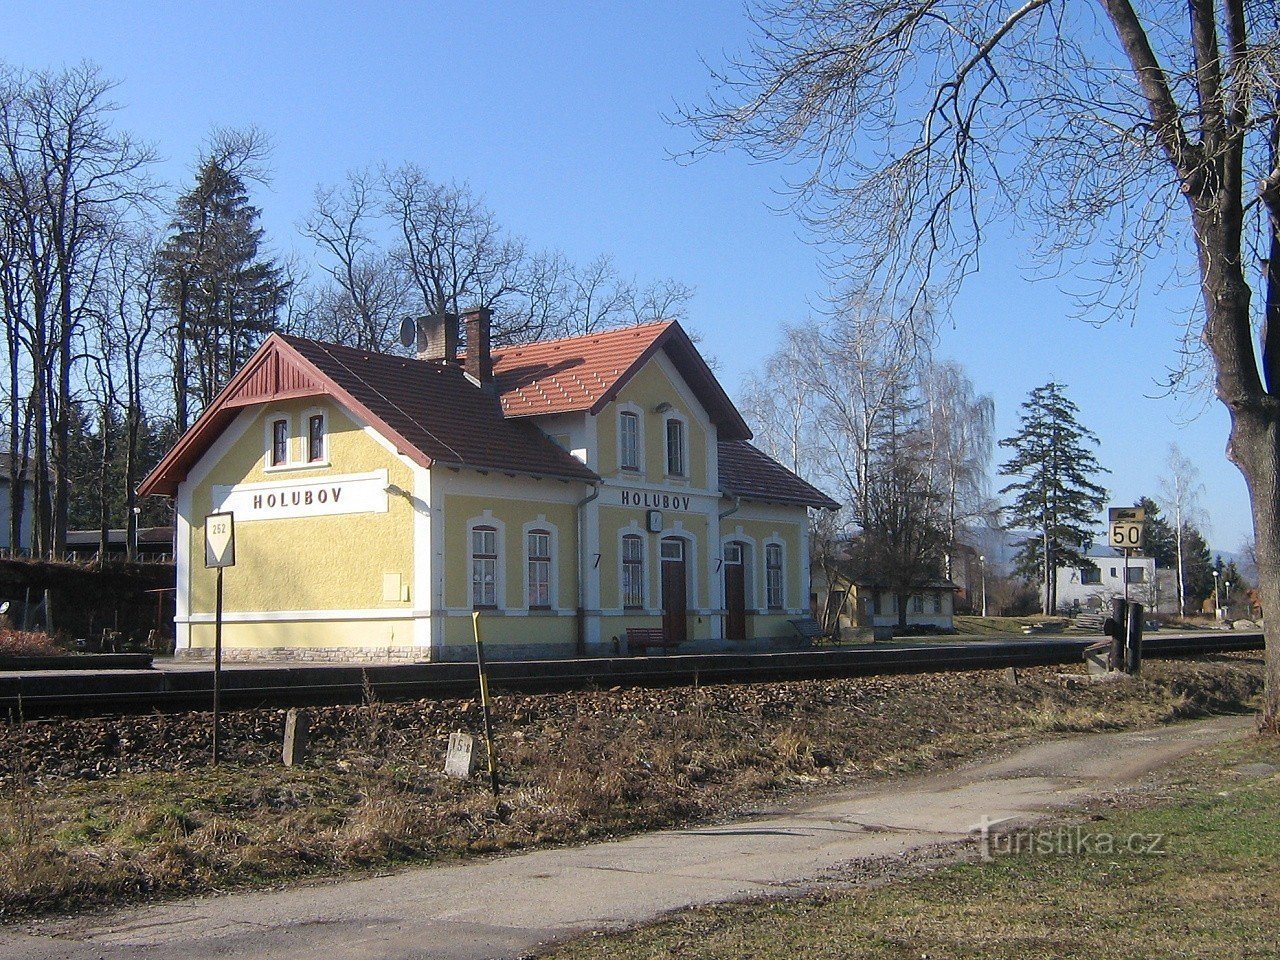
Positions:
{"x": 24, "y": 643}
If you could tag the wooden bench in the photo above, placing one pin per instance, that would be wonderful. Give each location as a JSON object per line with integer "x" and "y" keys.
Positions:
{"x": 640, "y": 639}
{"x": 808, "y": 629}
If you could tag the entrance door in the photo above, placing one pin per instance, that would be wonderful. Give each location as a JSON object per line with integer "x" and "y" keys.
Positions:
{"x": 735, "y": 593}
{"x": 674, "y": 597}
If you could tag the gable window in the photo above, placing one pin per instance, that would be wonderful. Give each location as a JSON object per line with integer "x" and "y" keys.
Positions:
{"x": 539, "y": 558}
{"x": 629, "y": 440}
{"x": 279, "y": 443}
{"x": 632, "y": 572}
{"x": 675, "y": 448}
{"x": 484, "y": 567}
{"x": 1090, "y": 575}
{"x": 315, "y": 439}
{"x": 773, "y": 575}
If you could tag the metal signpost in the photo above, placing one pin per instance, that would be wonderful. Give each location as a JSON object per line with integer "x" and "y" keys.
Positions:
{"x": 219, "y": 552}
{"x": 1126, "y": 531}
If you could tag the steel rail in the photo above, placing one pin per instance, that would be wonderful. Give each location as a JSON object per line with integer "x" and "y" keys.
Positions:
{"x": 100, "y": 693}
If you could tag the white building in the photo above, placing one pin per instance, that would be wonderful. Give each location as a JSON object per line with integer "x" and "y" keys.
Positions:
{"x": 1091, "y": 588}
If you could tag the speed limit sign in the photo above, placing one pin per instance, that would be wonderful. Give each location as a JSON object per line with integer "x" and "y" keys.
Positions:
{"x": 1127, "y": 534}
{"x": 1127, "y": 527}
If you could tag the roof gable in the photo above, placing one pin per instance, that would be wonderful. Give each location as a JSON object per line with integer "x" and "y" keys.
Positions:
{"x": 586, "y": 373}
{"x": 431, "y": 412}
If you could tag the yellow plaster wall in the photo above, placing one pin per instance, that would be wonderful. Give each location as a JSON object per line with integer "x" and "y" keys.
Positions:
{"x": 308, "y": 563}
{"x": 499, "y": 631}
{"x": 296, "y": 633}
{"x": 460, "y": 509}
{"x": 648, "y": 388}
{"x": 614, "y": 519}
{"x": 789, "y": 532}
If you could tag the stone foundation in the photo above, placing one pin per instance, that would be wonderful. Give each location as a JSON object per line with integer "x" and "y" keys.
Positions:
{"x": 308, "y": 654}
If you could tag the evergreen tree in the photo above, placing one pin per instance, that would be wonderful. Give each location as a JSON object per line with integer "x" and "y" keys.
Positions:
{"x": 1055, "y": 495}
{"x": 1198, "y": 565}
{"x": 223, "y": 293}
{"x": 1161, "y": 539}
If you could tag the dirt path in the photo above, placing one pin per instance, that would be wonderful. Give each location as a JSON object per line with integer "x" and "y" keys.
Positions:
{"x": 507, "y": 906}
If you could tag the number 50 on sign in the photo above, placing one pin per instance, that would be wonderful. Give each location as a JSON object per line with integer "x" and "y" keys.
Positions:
{"x": 1127, "y": 534}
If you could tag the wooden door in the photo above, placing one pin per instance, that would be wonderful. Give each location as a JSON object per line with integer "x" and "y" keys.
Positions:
{"x": 735, "y": 593}
{"x": 675, "y": 605}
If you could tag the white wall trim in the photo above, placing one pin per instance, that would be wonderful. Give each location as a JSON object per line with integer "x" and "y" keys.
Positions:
{"x": 541, "y": 523}
{"x": 487, "y": 519}
{"x": 619, "y": 410}
{"x": 284, "y": 616}
{"x": 773, "y": 540}
{"x": 634, "y": 529}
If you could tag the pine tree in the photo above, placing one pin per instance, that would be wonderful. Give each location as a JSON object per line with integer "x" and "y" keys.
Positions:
{"x": 1161, "y": 539}
{"x": 224, "y": 295}
{"x": 1055, "y": 496}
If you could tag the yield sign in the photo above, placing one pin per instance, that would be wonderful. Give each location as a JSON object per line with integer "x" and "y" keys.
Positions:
{"x": 219, "y": 540}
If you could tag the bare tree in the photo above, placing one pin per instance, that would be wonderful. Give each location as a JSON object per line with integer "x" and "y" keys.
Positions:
{"x": 961, "y": 426}
{"x": 919, "y": 123}
{"x": 455, "y": 253}
{"x": 369, "y": 292}
{"x": 69, "y": 177}
{"x": 1180, "y": 489}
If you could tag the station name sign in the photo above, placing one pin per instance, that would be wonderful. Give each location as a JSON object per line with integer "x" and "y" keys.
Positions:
{"x": 313, "y": 497}
{"x": 654, "y": 501}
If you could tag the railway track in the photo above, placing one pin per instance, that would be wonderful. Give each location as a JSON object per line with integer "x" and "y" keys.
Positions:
{"x": 101, "y": 692}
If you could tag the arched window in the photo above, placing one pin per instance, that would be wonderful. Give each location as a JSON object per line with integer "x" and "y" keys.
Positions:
{"x": 315, "y": 438}
{"x": 629, "y": 440}
{"x": 632, "y": 572}
{"x": 773, "y": 576}
{"x": 675, "y": 448}
{"x": 484, "y": 567}
{"x": 279, "y": 442}
{"x": 538, "y": 545}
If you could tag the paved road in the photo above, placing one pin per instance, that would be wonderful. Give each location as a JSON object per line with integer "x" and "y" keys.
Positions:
{"x": 504, "y": 907}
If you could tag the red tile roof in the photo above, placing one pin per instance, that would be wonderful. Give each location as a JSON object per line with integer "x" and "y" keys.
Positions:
{"x": 440, "y": 411}
{"x": 435, "y": 414}
{"x": 585, "y": 373}
{"x": 432, "y": 412}
{"x": 576, "y": 373}
{"x": 752, "y": 474}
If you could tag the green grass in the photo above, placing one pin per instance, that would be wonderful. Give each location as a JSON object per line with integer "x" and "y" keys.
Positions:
{"x": 575, "y": 767}
{"x": 1212, "y": 894}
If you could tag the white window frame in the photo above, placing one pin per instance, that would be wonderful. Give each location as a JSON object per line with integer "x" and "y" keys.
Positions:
{"x": 637, "y": 412}
{"x": 487, "y": 519}
{"x": 269, "y": 442}
{"x": 307, "y": 416}
{"x": 553, "y": 579}
{"x": 781, "y": 548}
{"x": 623, "y": 534}
{"x": 685, "y": 473}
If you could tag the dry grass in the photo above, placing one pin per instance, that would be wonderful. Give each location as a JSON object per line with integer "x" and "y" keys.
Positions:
{"x": 129, "y": 811}
{"x": 27, "y": 643}
{"x": 1211, "y": 893}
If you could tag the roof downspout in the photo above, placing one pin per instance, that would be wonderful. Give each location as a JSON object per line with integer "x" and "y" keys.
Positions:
{"x": 737, "y": 505}
{"x": 582, "y": 570}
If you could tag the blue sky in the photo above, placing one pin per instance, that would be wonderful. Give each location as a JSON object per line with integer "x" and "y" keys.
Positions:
{"x": 556, "y": 113}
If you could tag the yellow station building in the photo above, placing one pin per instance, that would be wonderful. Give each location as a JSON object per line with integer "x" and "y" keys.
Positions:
{"x": 568, "y": 489}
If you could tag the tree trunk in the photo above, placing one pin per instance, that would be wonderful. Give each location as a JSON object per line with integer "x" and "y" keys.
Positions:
{"x": 1255, "y": 448}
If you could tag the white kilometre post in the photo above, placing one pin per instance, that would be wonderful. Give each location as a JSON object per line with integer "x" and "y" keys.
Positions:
{"x": 219, "y": 552}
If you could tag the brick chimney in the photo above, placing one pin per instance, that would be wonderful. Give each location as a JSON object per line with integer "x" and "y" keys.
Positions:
{"x": 438, "y": 337}
{"x": 479, "y": 361}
